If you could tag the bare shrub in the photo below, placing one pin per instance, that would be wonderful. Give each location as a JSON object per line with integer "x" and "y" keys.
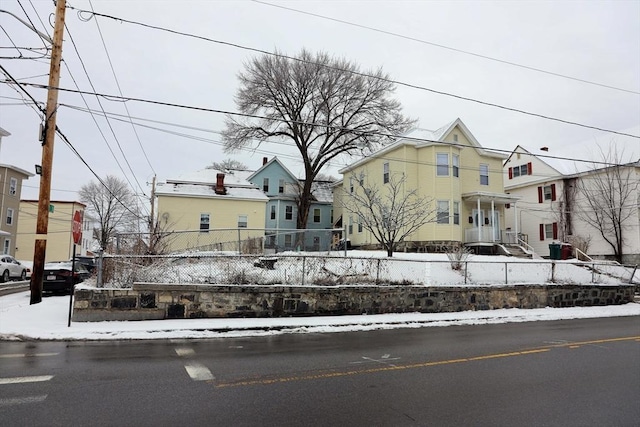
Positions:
{"x": 458, "y": 256}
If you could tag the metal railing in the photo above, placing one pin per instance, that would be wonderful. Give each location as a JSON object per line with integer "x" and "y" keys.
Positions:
{"x": 332, "y": 269}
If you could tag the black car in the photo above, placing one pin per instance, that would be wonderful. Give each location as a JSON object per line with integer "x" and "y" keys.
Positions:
{"x": 57, "y": 276}
{"x": 89, "y": 262}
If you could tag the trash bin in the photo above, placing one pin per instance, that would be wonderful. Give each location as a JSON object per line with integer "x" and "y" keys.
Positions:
{"x": 554, "y": 251}
{"x": 566, "y": 251}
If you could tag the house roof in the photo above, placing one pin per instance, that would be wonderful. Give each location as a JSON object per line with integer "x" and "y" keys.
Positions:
{"x": 267, "y": 164}
{"x": 202, "y": 184}
{"x": 17, "y": 169}
{"x": 563, "y": 166}
{"x": 322, "y": 191}
{"x": 419, "y": 137}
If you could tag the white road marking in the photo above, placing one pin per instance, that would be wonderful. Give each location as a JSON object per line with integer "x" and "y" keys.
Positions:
{"x": 384, "y": 360}
{"x": 16, "y": 355}
{"x": 18, "y": 380}
{"x": 198, "y": 372}
{"x": 185, "y": 351}
{"x": 21, "y": 400}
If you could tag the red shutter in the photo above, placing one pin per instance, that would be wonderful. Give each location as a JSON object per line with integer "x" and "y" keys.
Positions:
{"x": 510, "y": 173}
{"x": 529, "y": 169}
{"x": 541, "y": 231}
{"x": 555, "y": 231}
{"x": 553, "y": 192}
{"x": 539, "y": 194}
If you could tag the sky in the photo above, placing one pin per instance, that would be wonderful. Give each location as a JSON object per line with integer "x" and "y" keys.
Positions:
{"x": 577, "y": 61}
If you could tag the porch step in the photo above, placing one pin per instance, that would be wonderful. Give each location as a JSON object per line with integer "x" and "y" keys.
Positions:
{"x": 518, "y": 252}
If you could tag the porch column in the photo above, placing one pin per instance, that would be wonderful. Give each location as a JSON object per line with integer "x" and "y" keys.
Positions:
{"x": 479, "y": 223}
{"x": 515, "y": 219}
{"x": 493, "y": 221}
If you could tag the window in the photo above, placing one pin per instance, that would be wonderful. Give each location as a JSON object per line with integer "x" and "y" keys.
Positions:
{"x": 265, "y": 185}
{"x": 351, "y": 185}
{"x": 455, "y": 165}
{"x": 522, "y": 170}
{"x": 547, "y": 192}
{"x": 316, "y": 215}
{"x": 13, "y": 186}
{"x": 385, "y": 173}
{"x": 6, "y": 246}
{"x": 484, "y": 174}
{"x": 288, "y": 213}
{"x": 443, "y": 212}
{"x": 280, "y": 186}
{"x": 455, "y": 137}
{"x": 204, "y": 222}
{"x": 242, "y": 221}
{"x": 442, "y": 160}
{"x": 456, "y": 213}
{"x": 549, "y": 231}
{"x": 273, "y": 212}
{"x": 9, "y": 216}
{"x": 331, "y": 216}
{"x": 287, "y": 240}
{"x": 350, "y": 225}
{"x": 359, "y": 225}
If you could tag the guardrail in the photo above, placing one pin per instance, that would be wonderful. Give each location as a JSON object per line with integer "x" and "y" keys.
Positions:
{"x": 13, "y": 287}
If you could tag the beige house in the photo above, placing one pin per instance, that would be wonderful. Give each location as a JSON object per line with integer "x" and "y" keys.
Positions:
{"x": 11, "y": 178}
{"x": 59, "y": 231}
{"x": 209, "y": 210}
{"x": 448, "y": 166}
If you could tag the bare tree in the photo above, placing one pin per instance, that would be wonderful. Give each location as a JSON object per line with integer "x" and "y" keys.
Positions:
{"x": 113, "y": 205}
{"x": 228, "y": 165}
{"x": 324, "y": 105}
{"x": 610, "y": 198}
{"x": 391, "y": 213}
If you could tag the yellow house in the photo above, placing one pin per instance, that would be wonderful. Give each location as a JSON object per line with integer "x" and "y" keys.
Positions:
{"x": 463, "y": 181}
{"x": 210, "y": 210}
{"x": 59, "y": 231}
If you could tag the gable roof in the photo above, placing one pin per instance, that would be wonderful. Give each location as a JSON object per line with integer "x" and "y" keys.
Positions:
{"x": 419, "y": 137}
{"x": 563, "y": 166}
{"x": 268, "y": 164}
{"x": 202, "y": 183}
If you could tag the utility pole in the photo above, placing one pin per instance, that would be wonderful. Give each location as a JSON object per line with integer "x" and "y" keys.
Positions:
{"x": 44, "y": 199}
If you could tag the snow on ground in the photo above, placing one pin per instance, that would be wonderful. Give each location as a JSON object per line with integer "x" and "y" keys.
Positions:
{"x": 48, "y": 321}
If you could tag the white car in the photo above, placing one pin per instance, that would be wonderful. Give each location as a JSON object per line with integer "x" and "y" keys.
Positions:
{"x": 11, "y": 269}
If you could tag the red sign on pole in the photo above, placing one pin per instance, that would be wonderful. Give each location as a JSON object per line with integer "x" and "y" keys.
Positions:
{"x": 77, "y": 228}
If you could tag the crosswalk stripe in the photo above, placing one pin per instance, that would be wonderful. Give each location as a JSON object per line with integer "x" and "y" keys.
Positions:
{"x": 198, "y": 372}
{"x": 16, "y": 355}
{"x": 21, "y": 400}
{"x": 18, "y": 380}
{"x": 185, "y": 351}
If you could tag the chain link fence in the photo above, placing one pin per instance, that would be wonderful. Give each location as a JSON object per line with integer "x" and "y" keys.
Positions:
{"x": 238, "y": 240}
{"x": 332, "y": 269}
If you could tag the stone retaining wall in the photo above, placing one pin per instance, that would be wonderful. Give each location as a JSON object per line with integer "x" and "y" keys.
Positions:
{"x": 146, "y": 301}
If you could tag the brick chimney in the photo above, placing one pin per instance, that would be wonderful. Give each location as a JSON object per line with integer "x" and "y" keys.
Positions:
{"x": 265, "y": 160}
{"x": 219, "y": 188}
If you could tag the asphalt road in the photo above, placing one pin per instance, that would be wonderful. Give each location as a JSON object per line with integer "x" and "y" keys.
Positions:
{"x": 560, "y": 373}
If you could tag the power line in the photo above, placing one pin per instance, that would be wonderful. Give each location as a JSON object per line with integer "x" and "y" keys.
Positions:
{"x": 490, "y": 58}
{"x": 388, "y": 80}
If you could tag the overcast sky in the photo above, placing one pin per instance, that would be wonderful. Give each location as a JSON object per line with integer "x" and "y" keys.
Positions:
{"x": 573, "y": 42}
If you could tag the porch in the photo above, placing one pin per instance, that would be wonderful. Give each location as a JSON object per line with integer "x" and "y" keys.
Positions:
{"x": 487, "y": 213}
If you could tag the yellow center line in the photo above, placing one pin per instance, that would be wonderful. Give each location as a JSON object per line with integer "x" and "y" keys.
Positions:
{"x": 327, "y": 375}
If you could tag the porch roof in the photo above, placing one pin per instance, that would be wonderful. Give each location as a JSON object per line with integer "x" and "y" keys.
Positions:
{"x": 483, "y": 196}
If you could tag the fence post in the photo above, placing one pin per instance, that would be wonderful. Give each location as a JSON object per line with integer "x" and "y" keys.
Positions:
{"x": 378, "y": 272}
{"x": 100, "y": 264}
{"x": 239, "y": 247}
{"x": 304, "y": 263}
{"x": 593, "y": 272}
{"x": 506, "y": 277}
{"x": 633, "y": 273}
{"x": 466, "y": 267}
{"x": 553, "y": 270}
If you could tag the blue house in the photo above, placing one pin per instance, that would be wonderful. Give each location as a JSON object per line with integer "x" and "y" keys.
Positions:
{"x": 282, "y": 189}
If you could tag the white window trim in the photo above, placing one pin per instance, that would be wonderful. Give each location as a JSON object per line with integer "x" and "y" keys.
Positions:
{"x": 442, "y": 165}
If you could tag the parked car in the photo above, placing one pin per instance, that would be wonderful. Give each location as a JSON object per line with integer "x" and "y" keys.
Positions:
{"x": 57, "y": 276}
{"x": 89, "y": 262}
{"x": 10, "y": 268}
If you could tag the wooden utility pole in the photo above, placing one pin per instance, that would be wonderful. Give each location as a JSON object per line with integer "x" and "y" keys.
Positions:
{"x": 44, "y": 199}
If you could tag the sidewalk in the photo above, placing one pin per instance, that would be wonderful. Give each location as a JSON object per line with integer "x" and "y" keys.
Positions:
{"x": 48, "y": 321}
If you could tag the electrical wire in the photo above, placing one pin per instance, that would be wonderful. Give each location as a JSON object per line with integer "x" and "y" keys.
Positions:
{"x": 362, "y": 74}
{"x": 490, "y": 58}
